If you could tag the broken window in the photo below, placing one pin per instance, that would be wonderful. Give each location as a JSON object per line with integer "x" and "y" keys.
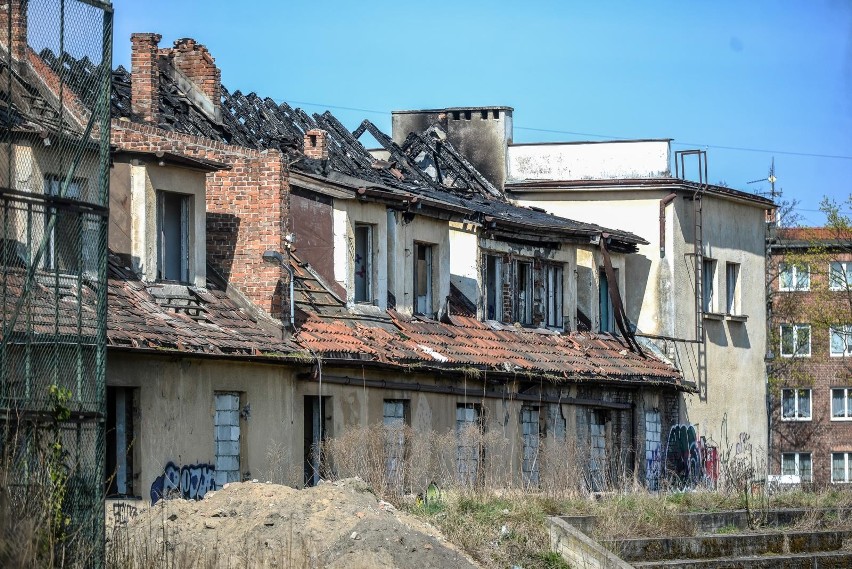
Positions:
{"x": 173, "y": 236}
{"x": 524, "y": 292}
{"x": 607, "y": 314}
{"x": 226, "y": 423}
{"x": 423, "y": 279}
{"x": 363, "y": 263}
{"x": 708, "y": 278}
{"x": 395, "y": 418}
{"x": 553, "y": 295}
{"x": 732, "y": 276}
{"x": 120, "y": 436}
{"x": 493, "y": 288}
{"x": 316, "y": 430}
{"x": 64, "y": 247}
{"x": 531, "y": 437}
{"x": 470, "y": 447}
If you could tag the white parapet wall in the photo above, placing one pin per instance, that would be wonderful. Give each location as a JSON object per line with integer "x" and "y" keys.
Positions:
{"x": 627, "y": 159}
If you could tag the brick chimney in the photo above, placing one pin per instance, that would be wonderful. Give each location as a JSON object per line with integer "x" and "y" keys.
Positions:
{"x": 17, "y": 11}
{"x": 316, "y": 144}
{"x": 145, "y": 69}
{"x": 194, "y": 60}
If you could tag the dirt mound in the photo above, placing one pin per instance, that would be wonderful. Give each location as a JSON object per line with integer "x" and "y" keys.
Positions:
{"x": 335, "y": 525}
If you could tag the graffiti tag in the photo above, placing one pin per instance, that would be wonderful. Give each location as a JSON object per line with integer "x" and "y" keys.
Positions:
{"x": 690, "y": 460}
{"x": 190, "y": 482}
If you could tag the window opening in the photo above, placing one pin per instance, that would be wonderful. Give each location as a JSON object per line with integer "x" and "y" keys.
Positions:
{"x": 795, "y": 340}
{"x": 708, "y": 271}
{"x": 363, "y": 263}
{"x": 794, "y": 277}
{"x": 841, "y": 467}
{"x": 653, "y": 435}
{"x": 524, "y": 294}
{"x": 797, "y": 464}
{"x": 470, "y": 448}
{"x": 493, "y": 288}
{"x": 120, "y": 435}
{"x": 553, "y": 295}
{"x": 840, "y": 276}
{"x": 316, "y": 430}
{"x": 732, "y": 276}
{"x": 422, "y": 279}
{"x": 483, "y": 115}
{"x": 841, "y": 403}
{"x": 226, "y": 423}
{"x": 173, "y": 236}
{"x": 796, "y": 404}
{"x": 597, "y": 450}
{"x": 607, "y": 312}
{"x": 65, "y": 239}
{"x": 395, "y": 418}
{"x": 531, "y": 436}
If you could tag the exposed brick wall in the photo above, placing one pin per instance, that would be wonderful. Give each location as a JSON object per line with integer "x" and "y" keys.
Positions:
{"x": 247, "y": 208}
{"x": 194, "y": 60}
{"x": 145, "y": 88}
{"x": 17, "y": 11}
{"x": 819, "y": 372}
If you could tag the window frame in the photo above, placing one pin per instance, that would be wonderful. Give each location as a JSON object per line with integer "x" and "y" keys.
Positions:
{"x": 797, "y": 416}
{"x": 428, "y": 297}
{"x": 708, "y": 283}
{"x": 795, "y": 271}
{"x": 606, "y": 318}
{"x": 797, "y": 464}
{"x": 524, "y": 314}
{"x": 186, "y": 244}
{"x": 49, "y": 260}
{"x": 495, "y": 283}
{"x": 847, "y": 398}
{"x": 795, "y": 334}
{"x": 847, "y": 465}
{"x": 847, "y": 282}
{"x": 846, "y": 331}
{"x": 554, "y": 283}
{"x": 733, "y": 301}
{"x": 369, "y": 255}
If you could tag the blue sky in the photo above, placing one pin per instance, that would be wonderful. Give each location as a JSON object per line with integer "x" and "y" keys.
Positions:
{"x": 773, "y": 76}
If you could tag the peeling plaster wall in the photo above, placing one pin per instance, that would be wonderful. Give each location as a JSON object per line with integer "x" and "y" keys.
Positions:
{"x": 659, "y": 295}
{"x": 401, "y": 237}
{"x": 587, "y": 160}
{"x": 348, "y": 213}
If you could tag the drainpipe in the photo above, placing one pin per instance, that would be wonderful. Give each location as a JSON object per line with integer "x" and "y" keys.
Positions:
{"x": 663, "y": 203}
{"x": 276, "y": 256}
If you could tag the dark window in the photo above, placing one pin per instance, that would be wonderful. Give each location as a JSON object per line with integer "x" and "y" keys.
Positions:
{"x": 496, "y": 113}
{"x": 524, "y": 294}
{"x": 120, "y": 438}
{"x": 64, "y": 250}
{"x": 493, "y": 288}
{"x": 467, "y": 115}
{"x": 456, "y": 115}
{"x": 422, "y": 279}
{"x": 607, "y": 318}
{"x": 363, "y": 263}
{"x": 553, "y": 295}
{"x": 173, "y": 236}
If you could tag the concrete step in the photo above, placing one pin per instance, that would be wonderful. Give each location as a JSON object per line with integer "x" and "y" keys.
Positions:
{"x": 726, "y": 545}
{"x": 811, "y": 560}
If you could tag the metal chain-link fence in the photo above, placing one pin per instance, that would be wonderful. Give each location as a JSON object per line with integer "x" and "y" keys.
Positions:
{"x": 55, "y": 59}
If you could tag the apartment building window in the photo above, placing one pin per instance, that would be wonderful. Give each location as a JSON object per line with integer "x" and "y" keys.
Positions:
{"x": 841, "y": 467}
{"x": 841, "y": 340}
{"x": 841, "y": 403}
{"x": 553, "y": 295}
{"x": 524, "y": 292}
{"x": 362, "y": 266}
{"x": 607, "y": 314}
{"x": 708, "y": 278}
{"x": 65, "y": 239}
{"x": 493, "y": 288}
{"x": 173, "y": 236}
{"x": 395, "y": 417}
{"x": 794, "y": 277}
{"x": 797, "y": 464}
{"x": 422, "y": 279}
{"x": 795, "y": 340}
{"x": 840, "y": 275}
{"x": 796, "y": 404}
{"x": 470, "y": 449}
{"x": 732, "y": 278}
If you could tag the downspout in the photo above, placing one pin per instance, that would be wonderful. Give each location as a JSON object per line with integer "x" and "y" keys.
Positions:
{"x": 663, "y": 203}
{"x": 292, "y": 274}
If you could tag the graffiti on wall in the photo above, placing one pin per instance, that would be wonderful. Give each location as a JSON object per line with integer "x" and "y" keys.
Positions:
{"x": 190, "y": 482}
{"x": 689, "y": 460}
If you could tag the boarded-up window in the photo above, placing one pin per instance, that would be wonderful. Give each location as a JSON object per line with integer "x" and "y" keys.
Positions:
{"x": 395, "y": 418}
{"x": 227, "y": 426}
{"x": 470, "y": 450}
{"x": 363, "y": 263}
{"x": 172, "y": 236}
{"x": 597, "y": 451}
{"x": 531, "y": 438}
{"x": 652, "y": 448}
{"x": 422, "y": 279}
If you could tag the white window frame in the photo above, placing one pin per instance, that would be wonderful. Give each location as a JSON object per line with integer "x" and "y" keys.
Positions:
{"x": 708, "y": 285}
{"x": 796, "y": 328}
{"x": 847, "y": 460}
{"x": 843, "y": 270}
{"x": 424, "y": 307}
{"x": 732, "y": 289}
{"x": 795, "y": 277}
{"x": 842, "y": 330}
{"x": 797, "y": 465}
{"x": 368, "y": 266}
{"x": 847, "y": 400}
{"x": 553, "y": 291}
{"x": 797, "y": 412}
